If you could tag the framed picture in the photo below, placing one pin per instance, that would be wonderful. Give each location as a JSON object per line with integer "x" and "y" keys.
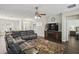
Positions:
{"x": 53, "y": 19}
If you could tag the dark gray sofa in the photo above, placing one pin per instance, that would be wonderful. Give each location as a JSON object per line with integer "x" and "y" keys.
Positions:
{"x": 11, "y": 46}
{"x": 25, "y": 35}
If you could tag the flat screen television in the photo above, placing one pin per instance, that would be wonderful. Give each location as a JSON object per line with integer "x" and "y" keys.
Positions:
{"x": 52, "y": 27}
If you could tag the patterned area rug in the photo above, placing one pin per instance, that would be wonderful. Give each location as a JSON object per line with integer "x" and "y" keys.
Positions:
{"x": 41, "y": 46}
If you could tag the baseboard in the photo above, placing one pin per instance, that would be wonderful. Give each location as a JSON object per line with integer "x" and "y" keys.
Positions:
{"x": 64, "y": 40}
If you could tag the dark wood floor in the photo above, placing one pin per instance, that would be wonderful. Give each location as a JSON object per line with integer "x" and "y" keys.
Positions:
{"x": 72, "y": 46}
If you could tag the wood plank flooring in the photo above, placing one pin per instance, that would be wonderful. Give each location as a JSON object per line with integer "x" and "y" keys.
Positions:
{"x": 72, "y": 46}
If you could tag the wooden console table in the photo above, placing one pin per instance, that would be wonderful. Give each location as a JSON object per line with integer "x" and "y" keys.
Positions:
{"x": 53, "y": 36}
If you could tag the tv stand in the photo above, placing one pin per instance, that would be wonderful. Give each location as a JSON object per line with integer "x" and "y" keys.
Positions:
{"x": 53, "y": 36}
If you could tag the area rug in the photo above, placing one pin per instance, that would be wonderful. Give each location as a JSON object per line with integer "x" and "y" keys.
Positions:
{"x": 41, "y": 46}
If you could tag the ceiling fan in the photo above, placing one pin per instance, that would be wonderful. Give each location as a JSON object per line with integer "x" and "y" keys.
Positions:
{"x": 37, "y": 14}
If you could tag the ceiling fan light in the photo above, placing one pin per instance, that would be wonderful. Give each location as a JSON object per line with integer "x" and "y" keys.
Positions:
{"x": 37, "y": 17}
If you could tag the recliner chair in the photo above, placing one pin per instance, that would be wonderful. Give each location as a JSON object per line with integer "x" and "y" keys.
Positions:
{"x": 11, "y": 46}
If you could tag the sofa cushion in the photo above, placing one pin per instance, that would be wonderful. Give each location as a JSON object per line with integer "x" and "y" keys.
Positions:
{"x": 25, "y": 37}
{"x": 22, "y": 33}
{"x": 30, "y": 32}
{"x": 15, "y": 34}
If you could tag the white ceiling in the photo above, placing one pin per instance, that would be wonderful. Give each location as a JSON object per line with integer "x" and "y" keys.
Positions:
{"x": 27, "y": 10}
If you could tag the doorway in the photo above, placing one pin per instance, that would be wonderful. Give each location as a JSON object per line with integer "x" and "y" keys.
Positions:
{"x": 72, "y": 46}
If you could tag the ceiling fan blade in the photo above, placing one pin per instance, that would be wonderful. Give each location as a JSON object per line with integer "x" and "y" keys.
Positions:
{"x": 37, "y": 13}
{"x": 42, "y": 14}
